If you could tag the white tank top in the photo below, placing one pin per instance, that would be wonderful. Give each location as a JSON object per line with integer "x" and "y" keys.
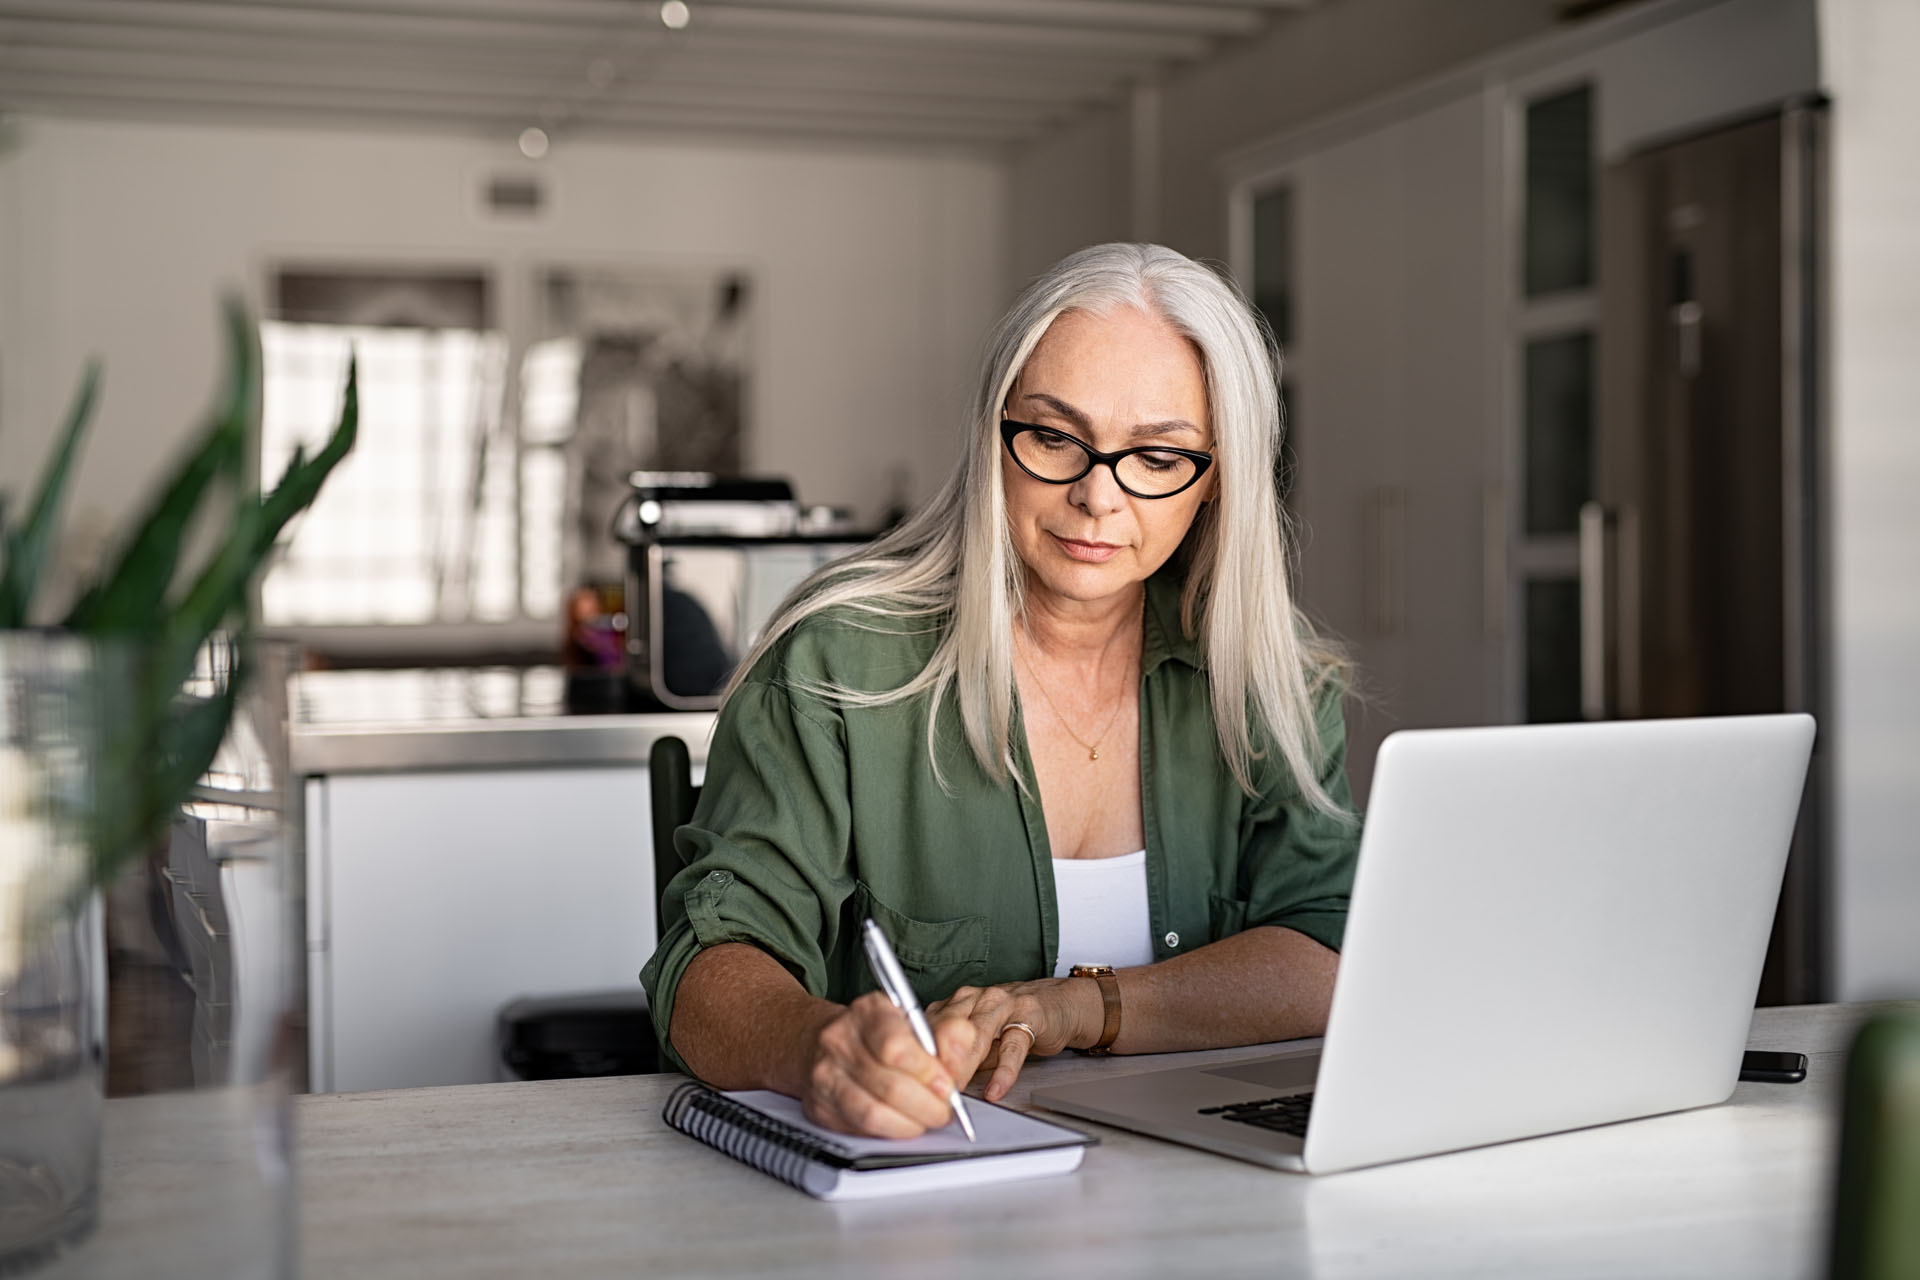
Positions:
{"x": 1103, "y": 911}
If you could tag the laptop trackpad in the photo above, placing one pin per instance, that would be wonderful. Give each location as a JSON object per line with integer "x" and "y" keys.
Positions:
{"x": 1274, "y": 1073}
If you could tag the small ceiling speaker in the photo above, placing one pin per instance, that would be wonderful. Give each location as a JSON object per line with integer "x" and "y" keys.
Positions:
{"x": 515, "y": 197}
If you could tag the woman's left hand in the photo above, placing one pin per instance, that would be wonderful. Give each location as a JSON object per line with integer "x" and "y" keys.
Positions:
{"x": 1018, "y": 1020}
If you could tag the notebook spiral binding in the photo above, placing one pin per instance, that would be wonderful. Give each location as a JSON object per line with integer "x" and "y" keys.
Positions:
{"x": 773, "y": 1148}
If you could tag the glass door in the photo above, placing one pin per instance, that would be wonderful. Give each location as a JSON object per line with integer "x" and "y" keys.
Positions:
{"x": 1555, "y": 318}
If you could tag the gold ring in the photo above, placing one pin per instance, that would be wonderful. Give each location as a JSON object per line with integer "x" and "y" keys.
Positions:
{"x": 1032, "y": 1037}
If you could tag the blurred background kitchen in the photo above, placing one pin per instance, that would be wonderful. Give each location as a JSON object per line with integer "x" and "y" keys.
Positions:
{"x": 1599, "y": 320}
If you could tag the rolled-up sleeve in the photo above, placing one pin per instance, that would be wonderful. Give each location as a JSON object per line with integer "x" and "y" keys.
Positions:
{"x": 1296, "y": 863}
{"x": 766, "y": 854}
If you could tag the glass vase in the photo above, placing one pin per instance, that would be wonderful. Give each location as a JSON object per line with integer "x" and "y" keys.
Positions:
{"x": 52, "y": 975}
{"x": 175, "y": 1138}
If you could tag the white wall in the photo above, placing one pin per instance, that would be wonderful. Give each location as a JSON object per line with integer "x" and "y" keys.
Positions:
{"x": 875, "y": 274}
{"x": 1311, "y": 64}
{"x": 1393, "y": 412}
{"x": 1071, "y": 188}
{"x": 1068, "y": 190}
{"x": 1869, "y": 52}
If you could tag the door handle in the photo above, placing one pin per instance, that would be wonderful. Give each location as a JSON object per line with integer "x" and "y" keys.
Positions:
{"x": 1596, "y": 528}
{"x": 1687, "y": 319}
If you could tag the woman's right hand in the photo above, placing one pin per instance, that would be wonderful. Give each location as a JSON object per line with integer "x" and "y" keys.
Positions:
{"x": 869, "y": 1075}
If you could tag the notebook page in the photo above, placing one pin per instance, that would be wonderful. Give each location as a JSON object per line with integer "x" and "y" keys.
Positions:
{"x": 999, "y": 1128}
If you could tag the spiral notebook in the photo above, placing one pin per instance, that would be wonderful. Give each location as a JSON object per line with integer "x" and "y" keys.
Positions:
{"x": 769, "y": 1132}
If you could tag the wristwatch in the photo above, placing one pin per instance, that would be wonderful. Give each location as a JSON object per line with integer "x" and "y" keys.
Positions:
{"x": 1109, "y": 1004}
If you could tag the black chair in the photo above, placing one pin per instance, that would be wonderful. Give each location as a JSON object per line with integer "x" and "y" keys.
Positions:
{"x": 606, "y": 1033}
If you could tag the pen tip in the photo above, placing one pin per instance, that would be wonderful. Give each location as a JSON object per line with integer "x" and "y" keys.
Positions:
{"x": 966, "y": 1122}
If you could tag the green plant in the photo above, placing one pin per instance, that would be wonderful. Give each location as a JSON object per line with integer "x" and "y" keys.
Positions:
{"x": 159, "y": 741}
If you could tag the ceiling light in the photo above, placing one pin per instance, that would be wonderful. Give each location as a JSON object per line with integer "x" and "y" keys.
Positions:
{"x": 675, "y": 14}
{"x": 533, "y": 143}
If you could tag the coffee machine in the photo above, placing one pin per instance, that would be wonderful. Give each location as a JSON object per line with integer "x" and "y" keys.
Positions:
{"x": 709, "y": 559}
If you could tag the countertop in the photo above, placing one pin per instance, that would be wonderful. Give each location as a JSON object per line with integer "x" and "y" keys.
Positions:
{"x": 467, "y": 718}
{"x": 583, "y": 1178}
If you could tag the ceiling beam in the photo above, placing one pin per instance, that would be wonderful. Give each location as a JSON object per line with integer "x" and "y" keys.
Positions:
{"x": 532, "y": 98}
{"x": 429, "y": 45}
{"x": 560, "y": 80}
{"x": 865, "y": 136}
{"x": 1014, "y": 82}
{"x": 1213, "y": 19}
{"x": 1198, "y": 17}
{"x": 505, "y": 116}
{"x": 535, "y": 25}
{"x": 1039, "y": 76}
{"x": 884, "y": 28}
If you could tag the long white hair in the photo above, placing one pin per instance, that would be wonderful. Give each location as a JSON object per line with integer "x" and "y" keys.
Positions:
{"x": 953, "y": 564}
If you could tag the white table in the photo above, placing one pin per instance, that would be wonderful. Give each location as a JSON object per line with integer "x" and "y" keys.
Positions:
{"x": 581, "y": 1178}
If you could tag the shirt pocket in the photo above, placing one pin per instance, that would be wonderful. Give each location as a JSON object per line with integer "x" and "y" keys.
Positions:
{"x": 1226, "y": 916}
{"x": 938, "y": 955}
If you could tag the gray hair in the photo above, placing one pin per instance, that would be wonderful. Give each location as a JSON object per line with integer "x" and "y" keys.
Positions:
{"x": 953, "y": 563}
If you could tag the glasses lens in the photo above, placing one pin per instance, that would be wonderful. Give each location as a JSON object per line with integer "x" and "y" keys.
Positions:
{"x": 1049, "y": 455}
{"x": 1155, "y": 471}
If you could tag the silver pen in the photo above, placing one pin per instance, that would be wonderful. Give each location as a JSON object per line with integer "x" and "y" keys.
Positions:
{"x": 893, "y": 980}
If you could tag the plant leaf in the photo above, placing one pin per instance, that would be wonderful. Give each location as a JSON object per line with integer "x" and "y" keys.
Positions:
{"x": 217, "y": 596}
{"x": 26, "y": 546}
{"x": 161, "y": 743}
{"x": 146, "y": 780}
{"x": 129, "y": 598}
{"x": 301, "y": 481}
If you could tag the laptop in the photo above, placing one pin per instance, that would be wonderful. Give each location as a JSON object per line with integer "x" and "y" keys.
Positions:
{"x": 1551, "y": 927}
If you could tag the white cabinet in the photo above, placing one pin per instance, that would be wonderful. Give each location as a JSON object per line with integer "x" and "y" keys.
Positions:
{"x": 436, "y": 897}
{"x": 1396, "y": 425}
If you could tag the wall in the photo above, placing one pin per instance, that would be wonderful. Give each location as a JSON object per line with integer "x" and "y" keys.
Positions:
{"x": 1067, "y": 190}
{"x": 1308, "y": 64}
{"x": 1869, "y": 49}
{"x": 1392, "y": 406}
{"x": 876, "y": 273}
{"x": 1340, "y": 53}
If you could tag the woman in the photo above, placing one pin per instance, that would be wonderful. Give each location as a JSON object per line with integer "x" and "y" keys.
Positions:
{"x": 1065, "y": 716}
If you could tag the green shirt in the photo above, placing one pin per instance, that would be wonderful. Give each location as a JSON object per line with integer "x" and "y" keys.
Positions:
{"x": 814, "y": 816}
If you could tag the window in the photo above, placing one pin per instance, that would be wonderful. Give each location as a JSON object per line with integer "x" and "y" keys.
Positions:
{"x": 416, "y": 524}
{"x": 491, "y": 455}
{"x": 1273, "y": 294}
{"x": 1553, "y": 343}
{"x": 1558, "y": 241}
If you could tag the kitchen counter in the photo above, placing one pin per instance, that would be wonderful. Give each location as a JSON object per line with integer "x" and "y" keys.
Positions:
{"x": 469, "y": 829}
{"x": 467, "y": 718}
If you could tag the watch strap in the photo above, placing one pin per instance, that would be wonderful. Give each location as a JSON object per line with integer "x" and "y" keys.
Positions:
{"x": 1109, "y": 1004}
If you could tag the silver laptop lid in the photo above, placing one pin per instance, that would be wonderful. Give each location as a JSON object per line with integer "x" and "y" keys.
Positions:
{"x": 1553, "y": 926}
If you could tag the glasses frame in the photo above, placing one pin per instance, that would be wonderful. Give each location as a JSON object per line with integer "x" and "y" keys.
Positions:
{"x": 1009, "y": 430}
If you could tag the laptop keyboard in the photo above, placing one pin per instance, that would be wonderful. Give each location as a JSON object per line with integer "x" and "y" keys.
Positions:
{"x": 1287, "y": 1114}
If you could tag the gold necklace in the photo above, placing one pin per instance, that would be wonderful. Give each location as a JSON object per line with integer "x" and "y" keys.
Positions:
{"x": 1093, "y": 748}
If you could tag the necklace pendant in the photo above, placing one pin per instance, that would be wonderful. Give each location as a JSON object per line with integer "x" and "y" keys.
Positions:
{"x": 1094, "y": 754}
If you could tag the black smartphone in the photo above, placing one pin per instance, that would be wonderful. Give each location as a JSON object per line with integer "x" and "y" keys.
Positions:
{"x": 1771, "y": 1067}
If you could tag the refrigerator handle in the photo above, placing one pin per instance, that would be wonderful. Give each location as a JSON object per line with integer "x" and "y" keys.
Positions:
{"x": 1596, "y": 528}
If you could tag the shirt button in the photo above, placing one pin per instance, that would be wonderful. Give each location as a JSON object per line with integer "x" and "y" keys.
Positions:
{"x": 1172, "y": 939}
{"x": 719, "y": 877}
